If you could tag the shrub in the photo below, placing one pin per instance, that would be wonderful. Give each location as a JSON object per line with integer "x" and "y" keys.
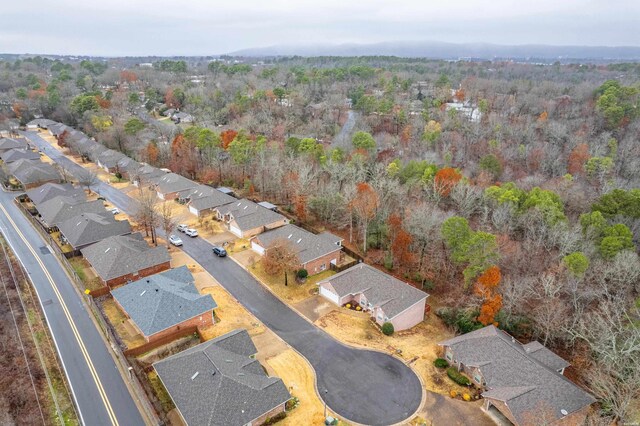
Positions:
{"x": 457, "y": 377}
{"x": 302, "y": 274}
{"x": 348, "y": 306}
{"x": 453, "y": 393}
{"x": 441, "y": 363}
{"x": 358, "y": 308}
{"x": 387, "y": 329}
{"x": 466, "y": 397}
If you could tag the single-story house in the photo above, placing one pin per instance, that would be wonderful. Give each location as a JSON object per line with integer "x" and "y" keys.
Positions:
{"x": 385, "y": 297}
{"x": 146, "y": 175}
{"x": 171, "y": 184}
{"x": 181, "y": 117}
{"x": 51, "y": 190}
{"x": 32, "y": 173}
{"x": 169, "y": 112}
{"x": 10, "y": 143}
{"x": 524, "y": 382}
{"x": 57, "y": 129}
{"x": 127, "y": 166}
{"x": 94, "y": 150}
{"x": 39, "y": 123}
{"x": 162, "y": 304}
{"x": 108, "y": 160}
{"x": 61, "y": 208}
{"x": 315, "y": 252}
{"x": 219, "y": 382}
{"x": 122, "y": 258}
{"x": 203, "y": 199}
{"x": 89, "y": 228}
{"x": 246, "y": 219}
{"x": 13, "y": 155}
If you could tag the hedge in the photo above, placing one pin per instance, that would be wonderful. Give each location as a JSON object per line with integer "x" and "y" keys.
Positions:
{"x": 457, "y": 377}
{"x": 441, "y": 363}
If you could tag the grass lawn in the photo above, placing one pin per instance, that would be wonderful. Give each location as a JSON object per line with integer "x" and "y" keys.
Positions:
{"x": 230, "y": 315}
{"x": 130, "y": 337}
{"x": 293, "y": 292}
{"x": 237, "y": 246}
{"x": 418, "y": 345}
{"x": 82, "y": 269}
{"x": 161, "y": 392}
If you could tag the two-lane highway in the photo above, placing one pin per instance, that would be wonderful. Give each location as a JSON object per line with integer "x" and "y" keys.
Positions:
{"x": 100, "y": 394}
{"x": 363, "y": 386}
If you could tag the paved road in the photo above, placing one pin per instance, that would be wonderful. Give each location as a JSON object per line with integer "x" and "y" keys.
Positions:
{"x": 98, "y": 388}
{"x": 362, "y": 386}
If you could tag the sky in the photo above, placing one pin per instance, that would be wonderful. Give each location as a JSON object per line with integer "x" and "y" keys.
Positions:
{"x": 211, "y": 27}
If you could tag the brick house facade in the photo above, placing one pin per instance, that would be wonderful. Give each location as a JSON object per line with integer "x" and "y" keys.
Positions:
{"x": 115, "y": 282}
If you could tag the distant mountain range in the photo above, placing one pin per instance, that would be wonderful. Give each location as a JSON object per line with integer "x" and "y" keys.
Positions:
{"x": 442, "y": 50}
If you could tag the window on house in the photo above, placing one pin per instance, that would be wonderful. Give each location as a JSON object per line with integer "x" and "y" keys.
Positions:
{"x": 323, "y": 267}
{"x": 477, "y": 378}
{"x": 449, "y": 357}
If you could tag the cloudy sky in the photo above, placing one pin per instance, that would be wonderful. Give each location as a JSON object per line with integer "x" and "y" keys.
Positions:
{"x": 208, "y": 27}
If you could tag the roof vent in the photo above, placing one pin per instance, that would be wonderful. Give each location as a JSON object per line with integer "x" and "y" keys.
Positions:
{"x": 241, "y": 374}
{"x": 299, "y": 239}
{"x": 143, "y": 292}
{"x": 290, "y": 235}
{"x": 157, "y": 290}
{"x": 108, "y": 248}
{"x": 564, "y": 412}
{"x": 195, "y": 375}
{"x": 228, "y": 360}
{"x": 213, "y": 373}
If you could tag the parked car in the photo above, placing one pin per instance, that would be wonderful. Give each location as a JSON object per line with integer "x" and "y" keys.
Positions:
{"x": 115, "y": 210}
{"x": 183, "y": 227}
{"x": 175, "y": 240}
{"x": 219, "y": 251}
{"x": 191, "y": 232}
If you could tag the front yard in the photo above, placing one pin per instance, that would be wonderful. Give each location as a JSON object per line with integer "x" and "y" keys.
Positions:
{"x": 294, "y": 292}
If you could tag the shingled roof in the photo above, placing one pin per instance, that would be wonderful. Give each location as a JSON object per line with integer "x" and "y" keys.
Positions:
{"x": 163, "y": 300}
{"x": 204, "y": 197}
{"x": 60, "y": 208}
{"x": 16, "y": 154}
{"x": 51, "y": 190}
{"x": 381, "y": 290}
{"x": 120, "y": 255}
{"x": 308, "y": 246}
{"x": 89, "y": 228}
{"x": 172, "y": 182}
{"x": 218, "y": 383}
{"x": 248, "y": 215}
{"x": 30, "y": 171}
{"x": 516, "y": 376}
{"x": 109, "y": 158}
{"x": 10, "y": 143}
{"x": 41, "y": 122}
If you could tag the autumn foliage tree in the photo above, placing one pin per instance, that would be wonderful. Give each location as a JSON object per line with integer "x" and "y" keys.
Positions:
{"x": 227, "y": 137}
{"x": 151, "y": 153}
{"x": 400, "y": 241}
{"x": 280, "y": 256}
{"x": 578, "y": 158}
{"x": 486, "y": 288}
{"x": 445, "y": 179}
{"x": 364, "y": 205}
{"x": 183, "y": 157}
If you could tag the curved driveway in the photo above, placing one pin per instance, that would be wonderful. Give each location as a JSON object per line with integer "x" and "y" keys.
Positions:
{"x": 363, "y": 386}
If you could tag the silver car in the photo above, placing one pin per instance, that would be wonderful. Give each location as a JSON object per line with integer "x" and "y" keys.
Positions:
{"x": 175, "y": 240}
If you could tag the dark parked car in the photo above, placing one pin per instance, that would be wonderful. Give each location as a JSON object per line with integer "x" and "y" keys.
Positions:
{"x": 219, "y": 251}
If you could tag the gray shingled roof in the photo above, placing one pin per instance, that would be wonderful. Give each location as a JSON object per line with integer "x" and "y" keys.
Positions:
{"x": 149, "y": 174}
{"x": 515, "y": 376}
{"x": 380, "y": 289}
{"x": 51, "y": 190}
{"x": 61, "y": 208}
{"x": 249, "y": 215}
{"x": 545, "y": 356}
{"x": 109, "y": 158}
{"x": 16, "y": 154}
{"x": 57, "y": 128}
{"x": 127, "y": 164}
{"x": 173, "y": 182}
{"x": 41, "y": 122}
{"x": 120, "y": 255}
{"x": 160, "y": 301}
{"x": 217, "y": 383}
{"x": 94, "y": 150}
{"x": 31, "y": 171}
{"x": 204, "y": 197}
{"x": 10, "y": 143}
{"x": 308, "y": 246}
{"x": 89, "y": 228}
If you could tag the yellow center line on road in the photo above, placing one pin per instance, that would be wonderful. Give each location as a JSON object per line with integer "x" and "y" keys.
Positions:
{"x": 83, "y": 349}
